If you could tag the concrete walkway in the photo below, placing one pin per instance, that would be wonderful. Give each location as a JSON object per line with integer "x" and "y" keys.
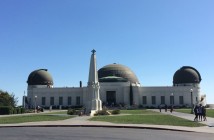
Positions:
{"x": 82, "y": 121}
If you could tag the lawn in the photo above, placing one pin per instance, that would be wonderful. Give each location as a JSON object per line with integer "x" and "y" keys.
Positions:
{"x": 32, "y": 118}
{"x": 142, "y": 112}
{"x": 146, "y": 117}
{"x": 183, "y": 110}
{"x": 58, "y": 112}
{"x": 210, "y": 112}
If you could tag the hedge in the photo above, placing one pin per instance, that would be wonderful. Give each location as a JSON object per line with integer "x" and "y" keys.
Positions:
{"x": 6, "y": 110}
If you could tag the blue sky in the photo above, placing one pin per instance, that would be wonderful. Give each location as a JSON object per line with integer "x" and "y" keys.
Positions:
{"x": 152, "y": 37}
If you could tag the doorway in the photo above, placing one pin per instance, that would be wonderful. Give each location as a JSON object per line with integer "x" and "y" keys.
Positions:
{"x": 111, "y": 98}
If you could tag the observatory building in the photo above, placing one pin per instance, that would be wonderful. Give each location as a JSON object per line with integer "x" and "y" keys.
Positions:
{"x": 114, "y": 85}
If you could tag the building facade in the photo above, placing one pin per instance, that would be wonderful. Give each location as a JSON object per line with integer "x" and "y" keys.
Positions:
{"x": 118, "y": 85}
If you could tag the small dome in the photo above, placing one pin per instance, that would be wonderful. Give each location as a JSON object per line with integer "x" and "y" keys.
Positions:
{"x": 40, "y": 77}
{"x": 116, "y": 73}
{"x": 186, "y": 74}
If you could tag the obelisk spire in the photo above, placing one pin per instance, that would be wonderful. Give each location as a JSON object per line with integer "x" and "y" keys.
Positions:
{"x": 93, "y": 75}
{"x": 94, "y": 103}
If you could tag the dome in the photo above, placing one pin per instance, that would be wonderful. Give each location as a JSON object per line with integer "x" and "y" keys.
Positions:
{"x": 40, "y": 77}
{"x": 186, "y": 74}
{"x": 116, "y": 73}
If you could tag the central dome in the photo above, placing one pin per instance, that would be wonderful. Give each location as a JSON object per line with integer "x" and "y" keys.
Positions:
{"x": 116, "y": 73}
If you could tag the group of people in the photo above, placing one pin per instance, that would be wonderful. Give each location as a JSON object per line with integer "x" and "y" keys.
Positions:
{"x": 200, "y": 113}
{"x": 166, "y": 107}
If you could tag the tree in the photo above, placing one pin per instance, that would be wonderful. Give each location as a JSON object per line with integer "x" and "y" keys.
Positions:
{"x": 7, "y": 99}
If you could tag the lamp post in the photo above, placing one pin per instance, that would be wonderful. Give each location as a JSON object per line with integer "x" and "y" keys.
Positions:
{"x": 24, "y": 100}
{"x": 172, "y": 98}
{"x": 191, "y": 90}
{"x": 35, "y": 97}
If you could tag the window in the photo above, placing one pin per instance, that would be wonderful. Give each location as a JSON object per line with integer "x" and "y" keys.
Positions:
{"x": 181, "y": 100}
{"x": 196, "y": 98}
{"x": 153, "y": 100}
{"x": 43, "y": 101}
{"x": 78, "y": 100}
{"x": 172, "y": 100}
{"x": 144, "y": 100}
{"x": 60, "y": 100}
{"x": 52, "y": 101}
{"x": 69, "y": 100}
{"x": 162, "y": 99}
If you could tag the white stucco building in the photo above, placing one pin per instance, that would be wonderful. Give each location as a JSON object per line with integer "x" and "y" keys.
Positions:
{"x": 118, "y": 85}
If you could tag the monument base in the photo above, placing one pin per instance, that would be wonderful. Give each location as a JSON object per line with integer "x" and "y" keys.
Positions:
{"x": 96, "y": 104}
{"x": 93, "y": 112}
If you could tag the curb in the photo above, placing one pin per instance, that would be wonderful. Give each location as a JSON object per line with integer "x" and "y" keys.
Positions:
{"x": 104, "y": 126}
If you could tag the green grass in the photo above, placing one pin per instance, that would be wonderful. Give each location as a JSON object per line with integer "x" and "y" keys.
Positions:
{"x": 58, "y": 112}
{"x": 32, "y": 118}
{"x": 210, "y": 112}
{"x": 148, "y": 119}
{"x": 143, "y": 112}
{"x": 188, "y": 111}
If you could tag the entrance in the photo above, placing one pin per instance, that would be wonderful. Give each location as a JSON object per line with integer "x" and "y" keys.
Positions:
{"x": 111, "y": 98}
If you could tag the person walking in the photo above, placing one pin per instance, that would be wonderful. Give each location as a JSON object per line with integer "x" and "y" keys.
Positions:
{"x": 200, "y": 112}
{"x": 165, "y": 108}
{"x": 196, "y": 113}
{"x": 159, "y": 108}
{"x": 171, "y": 108}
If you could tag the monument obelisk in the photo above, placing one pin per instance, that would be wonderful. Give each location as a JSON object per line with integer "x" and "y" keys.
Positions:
{"x": 94, "y": 102}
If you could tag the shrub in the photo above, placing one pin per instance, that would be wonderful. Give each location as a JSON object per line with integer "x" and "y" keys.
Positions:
{"x": 152, "y": 107}
{"x": 18, "y": 110}
{"x": 5, "y": 110}
{"x": 115, "y": 112}
{"x": 72, "y": 112}
{"x": 102, "y": 112}
{"x": 29, "y": 111}
{"x": 140, "y": 106}
{"x": 22, "y": 110}
{"x": 14, "y": 111}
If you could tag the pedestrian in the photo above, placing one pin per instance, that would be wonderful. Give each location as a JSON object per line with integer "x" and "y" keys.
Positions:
{"x": 159, "y": 108}
{"x": 171, "y": 108}
{"x": 196, "y": 113}
{"x": 165, "y": 108}
{"x": 80, "y": 113}
{"x": 200, "y": 112}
